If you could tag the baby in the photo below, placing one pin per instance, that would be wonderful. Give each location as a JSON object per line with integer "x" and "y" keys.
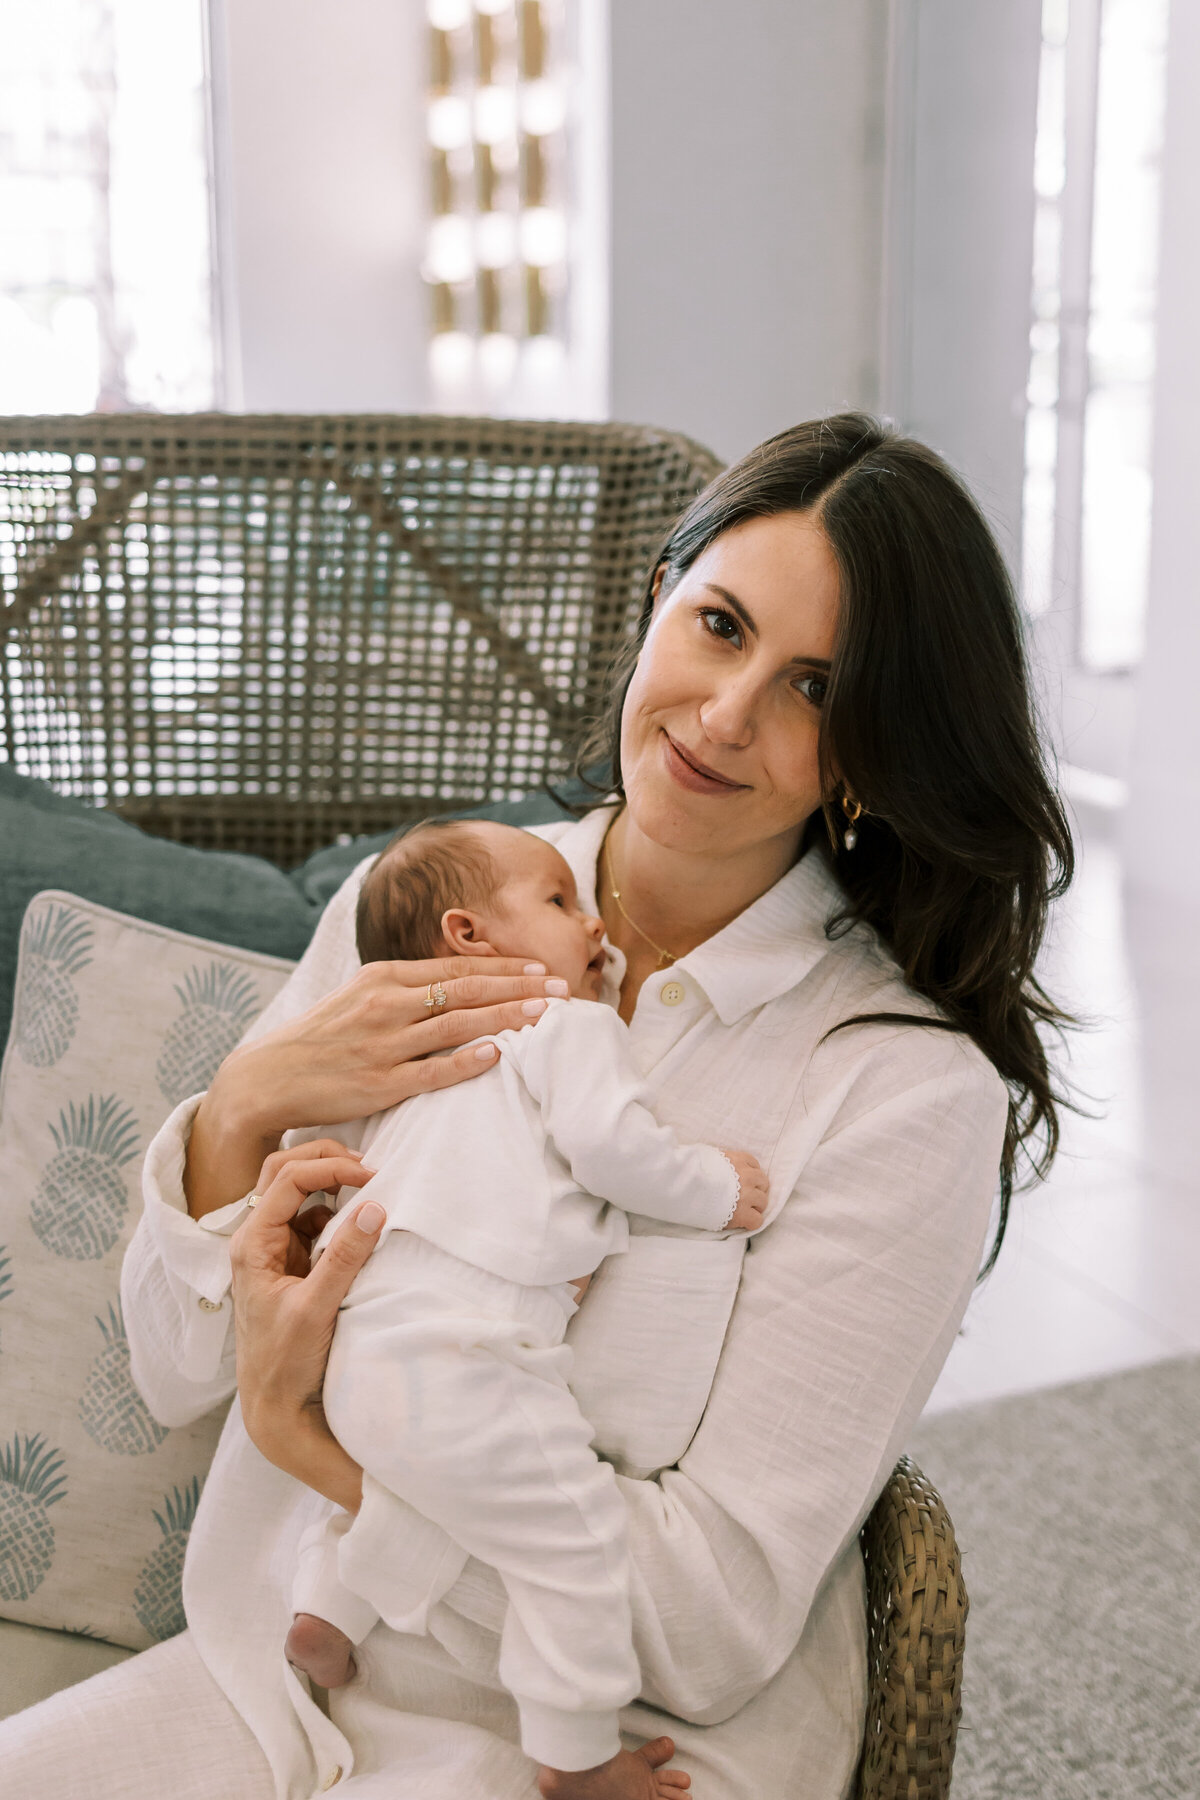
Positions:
{"x": 447, "y": 1379}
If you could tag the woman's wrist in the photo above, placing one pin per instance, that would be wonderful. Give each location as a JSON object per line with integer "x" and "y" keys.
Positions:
{"x": 230, "y": 1140}
{"x": 308, "y": 1451}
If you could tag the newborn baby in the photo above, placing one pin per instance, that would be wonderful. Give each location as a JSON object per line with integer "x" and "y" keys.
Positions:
{"x": 447, "y": 1379}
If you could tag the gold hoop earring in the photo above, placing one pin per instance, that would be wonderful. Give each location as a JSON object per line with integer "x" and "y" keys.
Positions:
{"x": 853, "y": 810}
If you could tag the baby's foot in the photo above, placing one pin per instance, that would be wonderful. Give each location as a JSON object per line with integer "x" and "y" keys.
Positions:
{"x": 320, "y": 1651}
{"x": 630, "y": 1775}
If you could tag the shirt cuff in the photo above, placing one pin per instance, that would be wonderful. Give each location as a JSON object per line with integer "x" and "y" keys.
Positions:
{"x": 568, "y": 1740}
{"x": 194, "y": 1251}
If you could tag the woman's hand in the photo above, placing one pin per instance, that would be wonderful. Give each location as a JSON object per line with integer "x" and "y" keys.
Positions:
{"x": 284, "y": 1314}
{"x": 364, "y": 1047}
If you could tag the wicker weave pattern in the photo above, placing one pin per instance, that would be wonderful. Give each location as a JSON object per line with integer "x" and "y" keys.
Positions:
{"x": 916, "y": 1621}
{"x": 259, "y": 633}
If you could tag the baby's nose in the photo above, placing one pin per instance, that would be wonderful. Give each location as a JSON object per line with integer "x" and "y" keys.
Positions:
{"x": 595, "y": 928}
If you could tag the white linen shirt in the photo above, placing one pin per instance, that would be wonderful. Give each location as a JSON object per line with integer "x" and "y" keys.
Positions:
{"x": 753, "y": 1397}
{"x": 525, "y": 1171}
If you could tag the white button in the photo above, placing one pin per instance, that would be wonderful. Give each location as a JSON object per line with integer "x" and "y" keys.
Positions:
{"x": 672, "y": 992}
{"x": 332, "y": 1779}
{"x": 210, "y": 1305}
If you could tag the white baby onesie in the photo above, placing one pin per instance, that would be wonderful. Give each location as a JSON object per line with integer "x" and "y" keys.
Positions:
{"x": 447, "y": 1380}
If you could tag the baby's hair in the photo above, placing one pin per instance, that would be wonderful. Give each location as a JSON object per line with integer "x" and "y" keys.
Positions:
{"x": 421, "y": 874}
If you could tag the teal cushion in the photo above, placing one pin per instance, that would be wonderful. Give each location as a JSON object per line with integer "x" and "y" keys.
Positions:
{"x": 47, "y": 841}
{"x": 50, "y": 842}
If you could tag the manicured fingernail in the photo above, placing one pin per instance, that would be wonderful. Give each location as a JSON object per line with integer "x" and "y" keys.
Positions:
{"x": 535, "y": 968}
{"x": 557, "y": 987}
{"x": 486, "y": 1052}
{"x": 369, "y": 1217}
{"x": 531, "y": 1008}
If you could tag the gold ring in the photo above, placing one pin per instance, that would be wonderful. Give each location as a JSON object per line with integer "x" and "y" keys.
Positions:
{"x": 436, "y": 996}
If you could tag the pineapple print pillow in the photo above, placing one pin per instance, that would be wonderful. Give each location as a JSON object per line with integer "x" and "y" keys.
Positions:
{"x": 115, "y": 1022}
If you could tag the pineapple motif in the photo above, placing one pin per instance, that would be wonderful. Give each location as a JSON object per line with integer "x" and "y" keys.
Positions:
{"x": 56, "y": 945}
{"x": 218, "y": 1004}
{"x": 110, "y": 1408}
{"x": 30, "y": 1483}
{"x": 6, "y": 1284}
{"x": 157, "y": 1600}
{"x": 82, "y": 1198}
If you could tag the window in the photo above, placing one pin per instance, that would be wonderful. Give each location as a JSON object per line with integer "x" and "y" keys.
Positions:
{"x": 106, "y": 297}
{"x": 1087, "y": 498}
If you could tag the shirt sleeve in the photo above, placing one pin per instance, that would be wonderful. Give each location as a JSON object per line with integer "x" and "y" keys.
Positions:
{"x": 849, "y": 1302}
{"x": 578, "y": 1066}
{"x": 175, "y": 1277}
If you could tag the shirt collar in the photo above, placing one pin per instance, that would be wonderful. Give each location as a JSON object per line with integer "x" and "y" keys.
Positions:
{"x": 763, "y": 953}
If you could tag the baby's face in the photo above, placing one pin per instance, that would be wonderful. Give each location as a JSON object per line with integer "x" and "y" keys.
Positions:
{"x": 536, "y": 913}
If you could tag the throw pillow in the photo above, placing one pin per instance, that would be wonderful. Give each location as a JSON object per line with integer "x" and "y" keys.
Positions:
{"x": 116, "y": 1021}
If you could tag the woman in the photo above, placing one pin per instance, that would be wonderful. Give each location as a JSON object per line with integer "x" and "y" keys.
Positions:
{"x": 824, "y": 882}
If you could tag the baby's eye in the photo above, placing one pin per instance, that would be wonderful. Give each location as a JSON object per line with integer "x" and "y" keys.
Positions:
{"x": 557, "y": 900}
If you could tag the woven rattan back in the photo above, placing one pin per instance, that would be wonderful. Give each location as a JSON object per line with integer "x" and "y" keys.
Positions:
{"x": 261, "y": 633}
{"x": 916, "y": 1629}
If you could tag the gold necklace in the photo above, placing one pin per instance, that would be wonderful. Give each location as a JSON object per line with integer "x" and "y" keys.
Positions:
{"x": 665, "y": 957}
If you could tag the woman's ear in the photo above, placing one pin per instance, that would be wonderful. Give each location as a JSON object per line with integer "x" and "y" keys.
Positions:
{"x": 463, "y": 933}
{"x": 656, "y": 584}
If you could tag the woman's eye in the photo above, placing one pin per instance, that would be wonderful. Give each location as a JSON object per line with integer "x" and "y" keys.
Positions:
{"x": 721, "y": 624}
{"x": 813, "y": 687}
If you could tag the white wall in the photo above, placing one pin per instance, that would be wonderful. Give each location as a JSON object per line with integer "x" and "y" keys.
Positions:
{"x": 962, "y": 106}
{"x": 320, "y": 156}
{"x": 1162, "y": 834}
{"x": 745, "y": 212}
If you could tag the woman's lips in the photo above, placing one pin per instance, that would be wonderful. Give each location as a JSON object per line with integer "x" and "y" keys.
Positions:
{"x": 696, "y": 780}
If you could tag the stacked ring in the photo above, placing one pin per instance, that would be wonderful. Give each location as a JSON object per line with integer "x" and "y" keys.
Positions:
{"x": 436, "y": 996}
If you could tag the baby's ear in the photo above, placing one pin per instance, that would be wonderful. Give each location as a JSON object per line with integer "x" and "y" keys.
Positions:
{"x": 464, "y": 934}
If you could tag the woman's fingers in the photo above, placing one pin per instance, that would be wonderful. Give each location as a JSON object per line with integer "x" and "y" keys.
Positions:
{"x": 279, "y": 1159}
{"x": 457, "y": 968}
{"x": 302, "y": 1177}
{"x": 344, "y": 1255}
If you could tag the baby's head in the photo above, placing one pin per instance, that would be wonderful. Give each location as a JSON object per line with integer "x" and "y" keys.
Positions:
{"x": 471, "y": 887}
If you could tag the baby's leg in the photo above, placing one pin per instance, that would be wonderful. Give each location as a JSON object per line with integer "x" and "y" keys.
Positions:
{"x": 329, "y": 1619}
{"x": 491, "y": 1444}
{"x": 319, "y": 1650}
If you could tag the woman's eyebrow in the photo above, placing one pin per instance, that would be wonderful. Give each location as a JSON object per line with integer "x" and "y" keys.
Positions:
{"x": 735, "y": 606}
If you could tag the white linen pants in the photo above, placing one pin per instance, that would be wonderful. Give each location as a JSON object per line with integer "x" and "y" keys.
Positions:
{"x": 448, "y": 1385}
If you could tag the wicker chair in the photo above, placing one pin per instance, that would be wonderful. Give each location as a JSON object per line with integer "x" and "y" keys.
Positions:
{"x": 259, "y": 634}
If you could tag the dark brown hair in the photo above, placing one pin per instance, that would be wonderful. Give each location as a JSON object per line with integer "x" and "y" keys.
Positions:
{"x": 421, "y": 874}
{"x": 929, "y": 723}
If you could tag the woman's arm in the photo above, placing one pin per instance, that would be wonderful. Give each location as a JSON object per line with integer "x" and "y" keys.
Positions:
{"x": 848, "y": 1305}
{"x": 341, "y": 1041}
{"x": 176, "y": 1275}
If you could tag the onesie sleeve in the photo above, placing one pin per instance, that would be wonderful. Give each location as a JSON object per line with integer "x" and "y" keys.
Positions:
{"x": 578, "y": 1066}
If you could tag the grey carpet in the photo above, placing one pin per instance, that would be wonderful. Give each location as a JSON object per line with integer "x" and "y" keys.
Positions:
{"x": 1078, "y": 1513}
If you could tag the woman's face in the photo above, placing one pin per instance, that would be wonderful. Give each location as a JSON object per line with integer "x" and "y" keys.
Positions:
{"x": 720, "y": 722}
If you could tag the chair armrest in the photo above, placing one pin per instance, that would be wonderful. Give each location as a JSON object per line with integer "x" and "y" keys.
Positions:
{"x": 916, "y": 1628}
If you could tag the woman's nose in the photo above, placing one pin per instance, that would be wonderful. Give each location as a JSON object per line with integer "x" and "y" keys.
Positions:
{"x": 728, "y": 715}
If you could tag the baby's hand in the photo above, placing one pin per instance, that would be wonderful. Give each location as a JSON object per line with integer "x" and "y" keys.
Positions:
{"x": 752, "y": 1201}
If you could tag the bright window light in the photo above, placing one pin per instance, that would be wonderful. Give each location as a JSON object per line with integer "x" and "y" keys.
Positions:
{"x": 105, "y": 256}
